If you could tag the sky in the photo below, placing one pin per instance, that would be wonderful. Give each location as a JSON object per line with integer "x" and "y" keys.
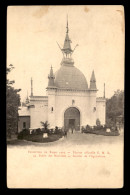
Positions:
{"x": 32, "y": 33}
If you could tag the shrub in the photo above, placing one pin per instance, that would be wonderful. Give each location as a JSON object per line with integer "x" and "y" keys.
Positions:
{"x": 114, "y": 129}
{"x": 50, "y": 131}
{"x": 38, "y": 131}
{"x": 94, "y": 127}
{"x": 88, "y": 127}
{"x": 57, "y": 130}
{"x": 82, "y": 129}
{"x": 45, "y": 131}
{"x": 98, "y": 123}
{"x": 23, "y": 133}
{"x": 98, "y": 127}
{"x": 33, "y": 132}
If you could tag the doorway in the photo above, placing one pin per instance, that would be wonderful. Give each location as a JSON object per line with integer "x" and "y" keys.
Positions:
{"x": 71, "y": 123}
{"x": 72, "y": 118}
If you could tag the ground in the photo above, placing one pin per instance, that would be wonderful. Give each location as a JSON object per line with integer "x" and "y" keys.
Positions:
{"x": 27, "y": 166}
{"x": 73, "y": 139}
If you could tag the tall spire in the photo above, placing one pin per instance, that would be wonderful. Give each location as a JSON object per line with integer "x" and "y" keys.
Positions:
{"x": 104, "y": 90}
{"x": 67, "y": 43}
{"x": 31, "y": 87}
{"x": 66, "y": 50}
{"x": 67, "y": 25}
{"x": 93, "y": 82}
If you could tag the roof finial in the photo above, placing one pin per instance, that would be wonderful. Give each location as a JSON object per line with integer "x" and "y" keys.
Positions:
{"x": 31, "y": 87}
{"x": 67, "y": 25}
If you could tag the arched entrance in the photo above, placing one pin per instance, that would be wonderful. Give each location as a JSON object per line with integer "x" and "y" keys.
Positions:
{"x": 72, "y": 118}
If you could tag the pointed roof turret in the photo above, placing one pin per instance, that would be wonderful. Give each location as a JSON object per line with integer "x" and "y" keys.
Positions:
{"x": 93, "y": 81}
{"x": 27, "y": 99}
{"x": 51, "y": 72}
{"x": 51, "y": 78}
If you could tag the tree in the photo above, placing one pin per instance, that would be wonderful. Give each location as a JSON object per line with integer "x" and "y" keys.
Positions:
{"x": 115, "y": 106}
{"x": 45, "y": 124}
{"x": 12, "y": 104}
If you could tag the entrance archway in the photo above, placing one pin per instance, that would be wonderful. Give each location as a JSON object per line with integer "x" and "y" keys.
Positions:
{"x": 72, "y": 118}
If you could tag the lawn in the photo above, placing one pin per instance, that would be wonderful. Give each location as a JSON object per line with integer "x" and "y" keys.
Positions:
{"x": 39, "y": 138}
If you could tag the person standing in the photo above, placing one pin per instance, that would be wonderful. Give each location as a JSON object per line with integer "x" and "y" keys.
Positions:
{"x": 72, "y": 129}
{"x": 65, "y": 133}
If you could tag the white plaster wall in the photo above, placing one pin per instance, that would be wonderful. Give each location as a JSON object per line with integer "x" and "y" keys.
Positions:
{"x": 38, "y": 114}
{"x": 101, "y": 111}
{"x": 92, "y": 114}
{"x": 51, "y": 103}
{"x": 60, "y": 101}
{"x": 82, "y": 101}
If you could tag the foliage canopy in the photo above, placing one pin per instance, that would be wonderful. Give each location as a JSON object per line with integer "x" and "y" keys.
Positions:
{"x": 12, "y": 104}
{"x": 115, "y": 106}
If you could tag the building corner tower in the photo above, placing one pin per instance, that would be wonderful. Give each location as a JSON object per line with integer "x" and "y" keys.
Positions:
{"x": 51, "y": 93}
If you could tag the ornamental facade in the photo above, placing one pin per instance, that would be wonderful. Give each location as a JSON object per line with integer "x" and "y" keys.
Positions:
{"x": 70, "y": 101}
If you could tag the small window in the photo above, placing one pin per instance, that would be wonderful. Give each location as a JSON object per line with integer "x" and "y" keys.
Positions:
{"x": 73, "y": 102}
{"x": 24, "y": 125}
{"x": 52, "y": 109}
{"x": 94, "y": 109}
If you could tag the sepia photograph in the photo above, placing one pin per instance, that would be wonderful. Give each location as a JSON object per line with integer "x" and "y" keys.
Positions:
{"x": 65, "y": 96}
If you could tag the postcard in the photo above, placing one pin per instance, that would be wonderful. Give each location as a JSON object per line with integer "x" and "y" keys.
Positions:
{"x": 65, "y": 96}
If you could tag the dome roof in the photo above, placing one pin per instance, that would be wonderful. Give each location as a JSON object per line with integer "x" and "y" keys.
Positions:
{"x": 70, "y": 77}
